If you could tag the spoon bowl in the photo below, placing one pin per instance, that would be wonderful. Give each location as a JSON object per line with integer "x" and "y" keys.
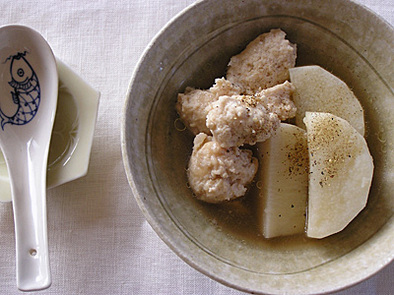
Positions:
{"x": 28, "y": 99}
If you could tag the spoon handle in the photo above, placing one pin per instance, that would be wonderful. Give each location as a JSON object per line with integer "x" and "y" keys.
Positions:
{"x": 28, "y": 185}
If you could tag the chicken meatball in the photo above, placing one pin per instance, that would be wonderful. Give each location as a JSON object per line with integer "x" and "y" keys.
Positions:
{"x": 277, "y": 99}
{"x": 240, "y": 119}
{"x": 264, "y": 62}
{"x": 194, "y": 104}
{"x": 217, "y": 174}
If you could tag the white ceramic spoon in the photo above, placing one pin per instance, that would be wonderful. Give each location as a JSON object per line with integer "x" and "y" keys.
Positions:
{"x": 28, "y": 98}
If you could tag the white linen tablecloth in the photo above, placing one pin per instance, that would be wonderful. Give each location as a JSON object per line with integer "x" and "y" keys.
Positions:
{"x": 100, "y": 243}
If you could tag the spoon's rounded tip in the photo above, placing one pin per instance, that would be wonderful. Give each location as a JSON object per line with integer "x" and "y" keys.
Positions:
{"x": 29, "y": 285}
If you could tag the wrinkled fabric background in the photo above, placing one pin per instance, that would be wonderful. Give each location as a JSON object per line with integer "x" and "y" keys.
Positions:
{"x": 99, "y": 240}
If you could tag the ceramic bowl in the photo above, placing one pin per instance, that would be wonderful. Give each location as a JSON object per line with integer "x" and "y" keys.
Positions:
{"x": 221, "y": 241}
{"x": 72, "y": 134}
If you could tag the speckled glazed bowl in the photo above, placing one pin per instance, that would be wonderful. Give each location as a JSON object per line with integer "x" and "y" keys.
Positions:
{"x": 221, "y": 241}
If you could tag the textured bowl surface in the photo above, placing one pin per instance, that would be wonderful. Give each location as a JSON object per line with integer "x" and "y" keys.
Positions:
{"x": 221, "y": 241}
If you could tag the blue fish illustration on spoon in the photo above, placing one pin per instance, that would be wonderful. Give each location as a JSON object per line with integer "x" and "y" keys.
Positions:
{"x": 26, "y": 93}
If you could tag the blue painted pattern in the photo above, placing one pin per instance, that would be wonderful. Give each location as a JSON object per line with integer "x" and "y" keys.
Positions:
{"x": 26, "y": 94}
